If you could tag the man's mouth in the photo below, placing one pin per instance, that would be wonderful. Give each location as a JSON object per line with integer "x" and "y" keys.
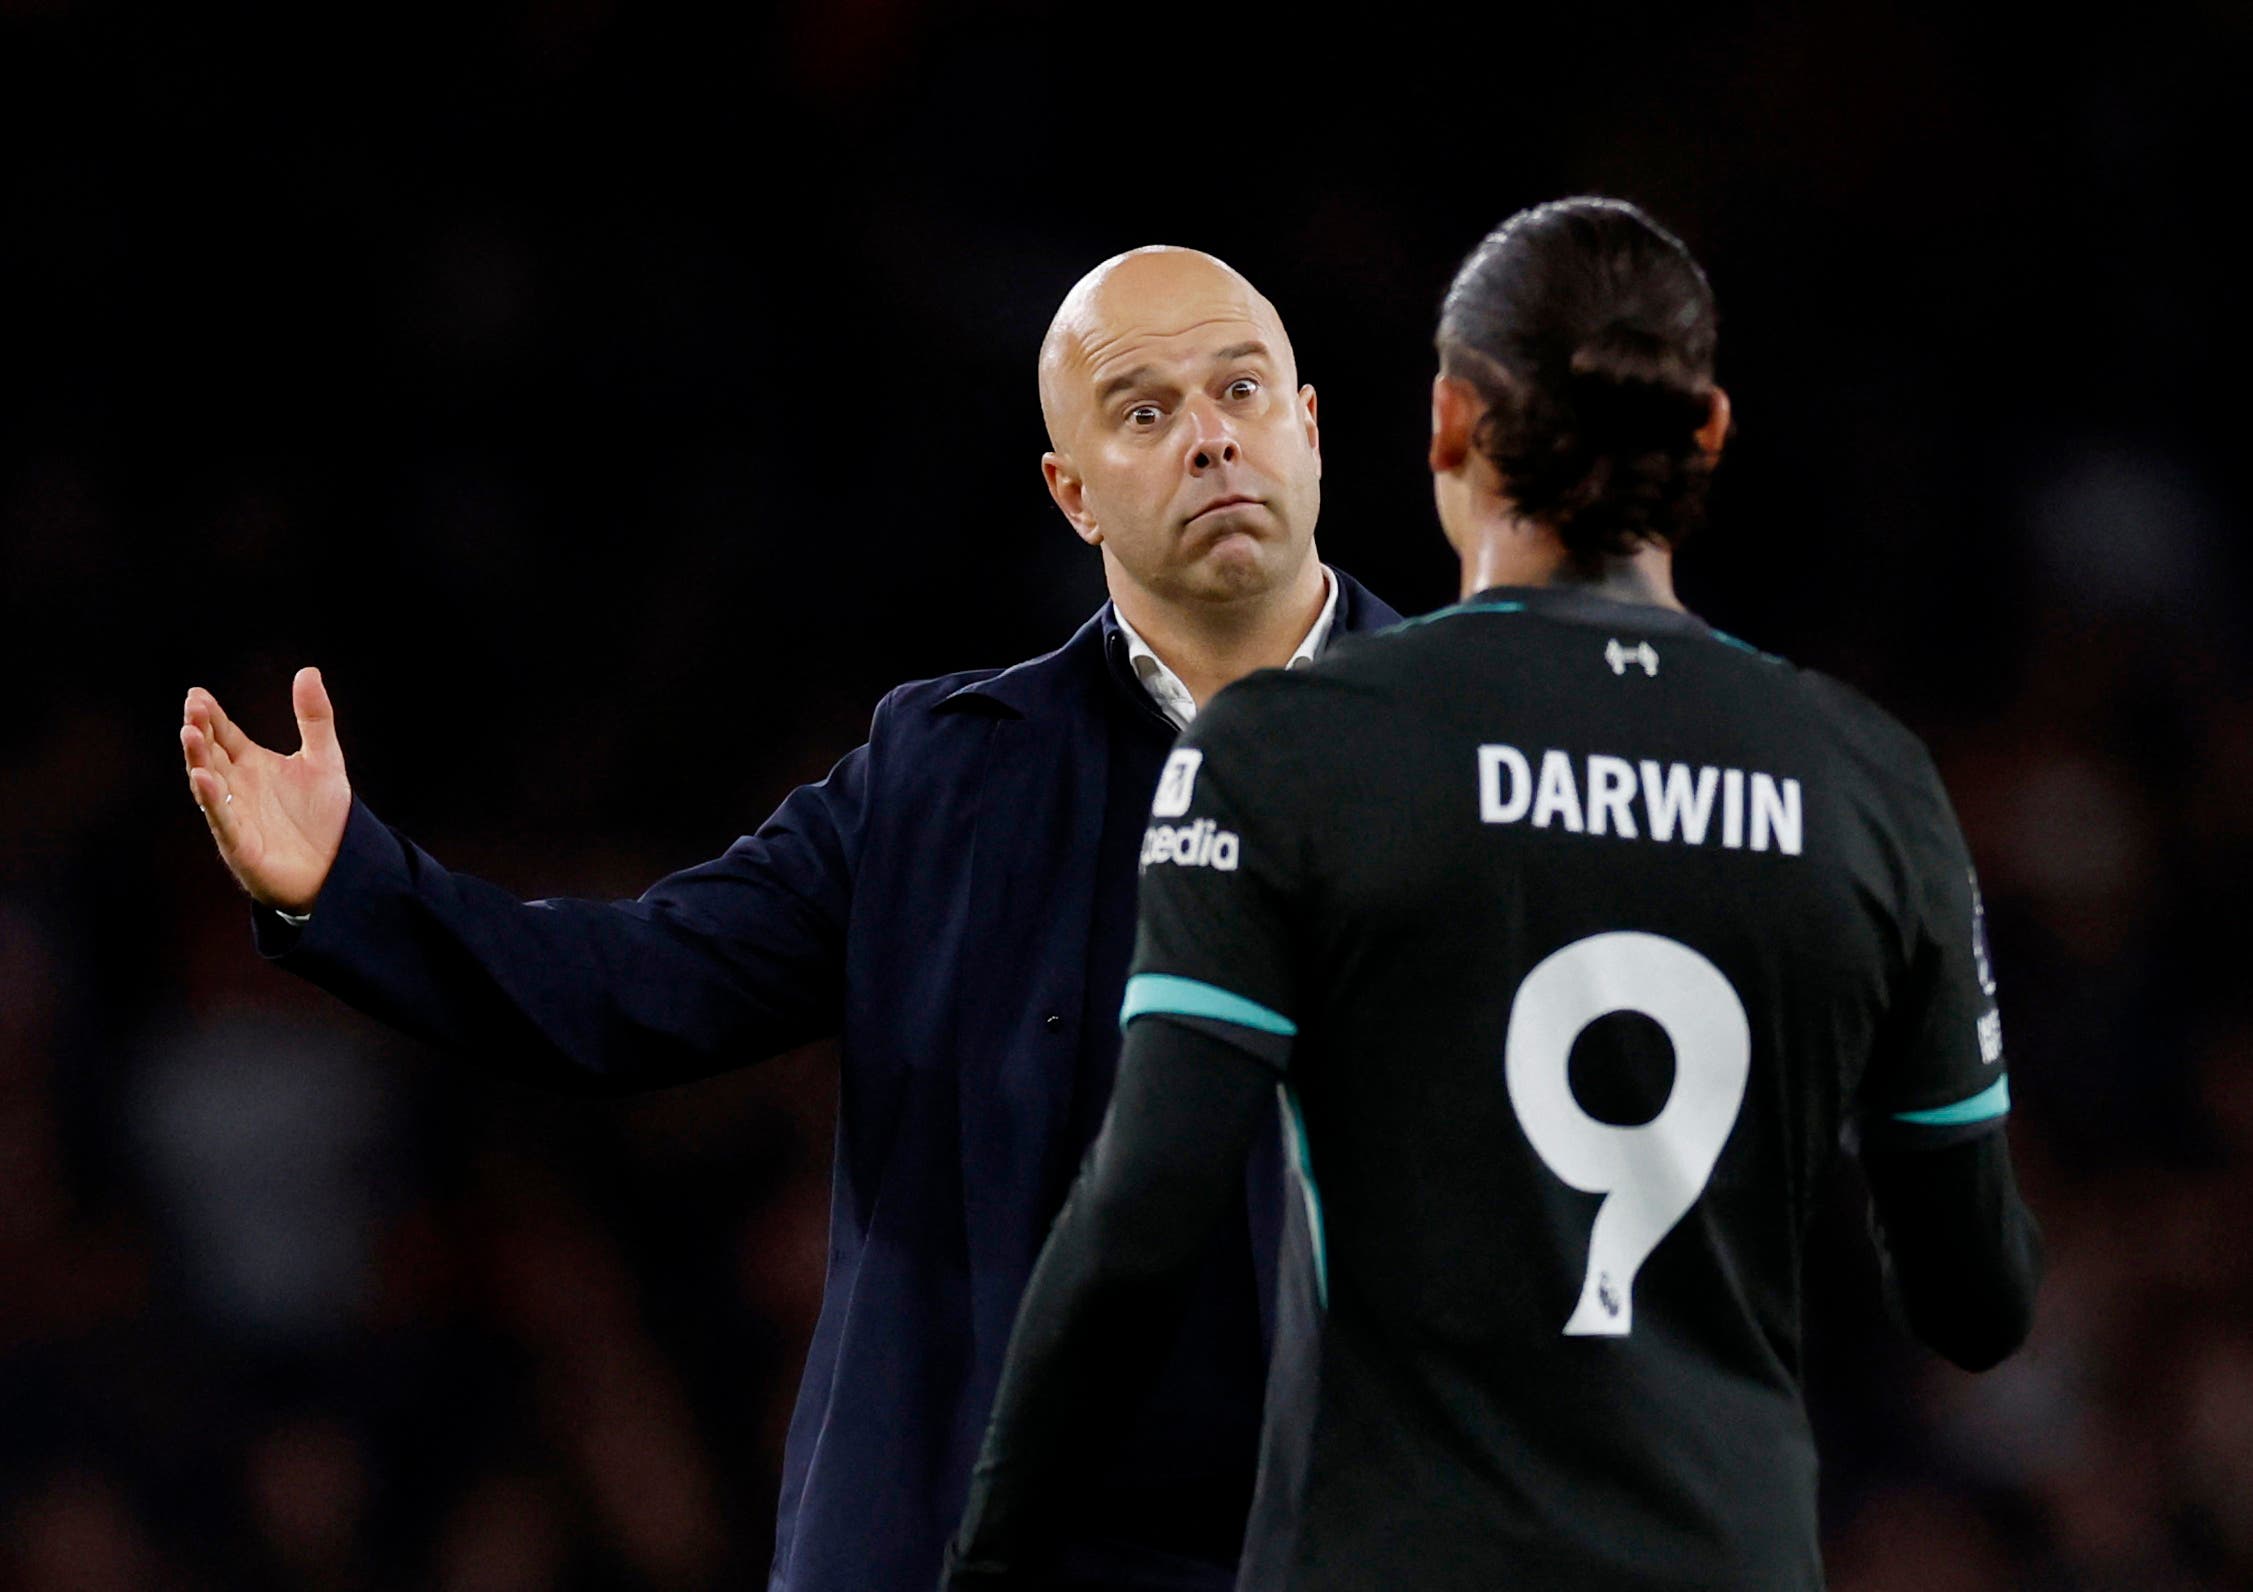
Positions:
{"x": 1217, "y": 504}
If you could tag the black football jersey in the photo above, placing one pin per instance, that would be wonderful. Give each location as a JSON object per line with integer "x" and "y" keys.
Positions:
{"x": 1578, "y": 933}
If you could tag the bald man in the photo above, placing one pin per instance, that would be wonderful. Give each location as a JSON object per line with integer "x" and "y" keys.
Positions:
{"x": 955, "y": 903}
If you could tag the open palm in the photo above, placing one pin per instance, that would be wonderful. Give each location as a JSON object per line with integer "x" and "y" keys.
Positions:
{"x": 278, "y": 820}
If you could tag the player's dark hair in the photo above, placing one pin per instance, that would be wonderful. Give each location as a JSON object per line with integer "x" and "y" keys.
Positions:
{"x": 1590, "y": 332}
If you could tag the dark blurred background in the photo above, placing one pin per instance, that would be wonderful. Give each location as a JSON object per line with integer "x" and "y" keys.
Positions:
{"x": 616, "y": 400}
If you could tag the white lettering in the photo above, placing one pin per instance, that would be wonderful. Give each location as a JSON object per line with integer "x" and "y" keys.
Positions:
{"x": 1493, "y": 808}
{"x": 1672, "y": 798}
{"x": 1558, "y": 796}
{"x": 1611, "y": 790}
{"x": 1775, "y": 812}
{"x": 1202, "y": 844}
{"x": 1758, "y": 811}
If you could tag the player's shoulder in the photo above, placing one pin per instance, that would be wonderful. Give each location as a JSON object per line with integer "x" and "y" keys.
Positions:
{"x": 1882, "y": 751}
{"x": 1354, "y": 671}
{"x": 1856, "y": 716}
{"x": 1271, "y": 730}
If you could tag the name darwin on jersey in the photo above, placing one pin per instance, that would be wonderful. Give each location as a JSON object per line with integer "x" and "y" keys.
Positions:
{"x": 1671, "y": 802}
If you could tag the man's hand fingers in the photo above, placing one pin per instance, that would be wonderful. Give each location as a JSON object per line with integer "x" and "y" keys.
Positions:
{"x": 197, "y": 749}
{"x": 316, "y": 719}
{"x": 204, "y": 706}
{"x": 214, "y": 755}
{"x": 208, "y": 768}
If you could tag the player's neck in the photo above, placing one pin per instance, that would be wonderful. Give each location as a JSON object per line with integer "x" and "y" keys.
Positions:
{"x": 1210, "y": 646}
{"x": 1514, "y": 552}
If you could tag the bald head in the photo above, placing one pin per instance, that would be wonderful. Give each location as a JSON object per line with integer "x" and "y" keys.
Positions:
{"x": 1180, "y": 441}
{"x": 1152, "y": 292}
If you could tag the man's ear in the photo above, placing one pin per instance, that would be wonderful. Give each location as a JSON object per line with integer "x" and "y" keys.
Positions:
{"x": 1456, "y": 408}
{"x": 1715, "y": 431}
{"x": 1313, "y": 427}
{"x": 1070, "y": 493}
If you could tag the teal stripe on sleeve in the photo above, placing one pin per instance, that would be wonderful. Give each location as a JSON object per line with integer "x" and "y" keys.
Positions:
{"x": 1302, "y": 1162}
{"x": 1159, "y": 994}
{"x": 1992, "y": 1101}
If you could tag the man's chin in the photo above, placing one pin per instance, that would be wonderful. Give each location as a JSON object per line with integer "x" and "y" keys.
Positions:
{"x": 1235, "y": 566}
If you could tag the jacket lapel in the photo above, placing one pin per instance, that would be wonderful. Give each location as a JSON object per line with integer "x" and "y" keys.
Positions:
{"x": 1359, "y": 608}
{"x": 1032, "y": 884}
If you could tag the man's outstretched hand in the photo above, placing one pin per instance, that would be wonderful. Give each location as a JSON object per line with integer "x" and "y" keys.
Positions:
{"x": 278, "y": 821}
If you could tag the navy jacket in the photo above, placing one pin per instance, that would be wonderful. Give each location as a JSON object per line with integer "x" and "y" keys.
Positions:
{"x": 929, "y": 904}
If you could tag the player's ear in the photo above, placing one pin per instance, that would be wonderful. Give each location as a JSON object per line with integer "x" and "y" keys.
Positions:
{"x": 1715, "y": 431}
{"x": 1456, "y": 407}
{"x": 1070, "y": 493}
{"x": 1313, "y": 427}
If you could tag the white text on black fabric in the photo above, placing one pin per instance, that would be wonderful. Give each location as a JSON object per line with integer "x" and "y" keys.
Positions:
{"x": 1677, "y": 803}
{"x": 1199, "y": 845}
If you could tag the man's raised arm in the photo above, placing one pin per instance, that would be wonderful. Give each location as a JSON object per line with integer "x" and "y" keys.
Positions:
{"x": 712, "y": 967}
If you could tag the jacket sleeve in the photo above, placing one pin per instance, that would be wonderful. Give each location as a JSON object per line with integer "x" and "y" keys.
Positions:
{"x": 712, "y": 967}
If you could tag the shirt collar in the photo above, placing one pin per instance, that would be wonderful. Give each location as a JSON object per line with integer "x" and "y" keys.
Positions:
{"x": 1164, "y": 687}
{"x": 1578, "y": 604}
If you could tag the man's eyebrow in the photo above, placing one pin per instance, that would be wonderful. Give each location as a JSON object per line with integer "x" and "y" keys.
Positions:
{"x": 1125, "y": 381}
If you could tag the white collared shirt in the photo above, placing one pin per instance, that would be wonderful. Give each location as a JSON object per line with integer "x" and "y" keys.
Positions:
{"x": 1172, "y": 698}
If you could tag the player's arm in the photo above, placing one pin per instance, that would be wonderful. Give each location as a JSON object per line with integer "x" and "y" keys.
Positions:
{"x": 1207, "y": 1033}
{"x": 1963, "y": 1252}
{"x": 1106, "y": 1297}
{"x": 720, "y": 964}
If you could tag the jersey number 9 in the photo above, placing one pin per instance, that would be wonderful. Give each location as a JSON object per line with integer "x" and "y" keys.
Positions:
{"x": 1651, "y": 1174}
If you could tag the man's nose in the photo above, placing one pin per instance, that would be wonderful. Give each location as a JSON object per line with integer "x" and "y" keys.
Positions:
{"x": 1211, "y": 442}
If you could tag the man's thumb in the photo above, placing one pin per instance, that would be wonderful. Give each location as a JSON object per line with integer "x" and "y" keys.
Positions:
{"x": 316, "y": 720}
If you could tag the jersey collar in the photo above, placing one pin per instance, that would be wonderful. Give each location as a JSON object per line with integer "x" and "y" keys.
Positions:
{"x": 1575, "y": 604}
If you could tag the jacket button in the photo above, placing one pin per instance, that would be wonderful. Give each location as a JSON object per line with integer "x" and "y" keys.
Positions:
{"x": 1054, "y": 1022}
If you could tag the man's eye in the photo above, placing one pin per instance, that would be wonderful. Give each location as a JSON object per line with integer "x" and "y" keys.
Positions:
{"x": 1143, "y": 415}
{"x": 1243, "y": 387}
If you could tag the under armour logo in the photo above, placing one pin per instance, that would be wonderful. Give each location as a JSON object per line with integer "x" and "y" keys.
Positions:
{"x": 1620, "y": 657}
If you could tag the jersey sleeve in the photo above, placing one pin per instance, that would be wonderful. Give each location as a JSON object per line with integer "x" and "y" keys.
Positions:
{"x": 1220, "y": 886}
{"x": 1939, "y": 1076}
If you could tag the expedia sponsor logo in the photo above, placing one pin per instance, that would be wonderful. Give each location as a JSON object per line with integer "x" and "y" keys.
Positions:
{"x": 1198, "y": 845}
